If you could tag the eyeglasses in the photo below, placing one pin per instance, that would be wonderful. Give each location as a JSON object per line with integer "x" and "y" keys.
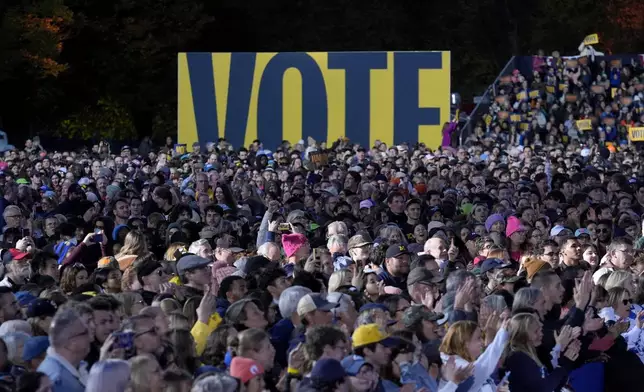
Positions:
{"x": 152, "y": 331}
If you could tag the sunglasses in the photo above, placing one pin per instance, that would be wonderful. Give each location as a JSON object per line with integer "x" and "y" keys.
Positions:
{"x": 627, "y": 301}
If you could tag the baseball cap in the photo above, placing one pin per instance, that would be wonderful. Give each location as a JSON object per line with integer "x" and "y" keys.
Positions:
{"x": 416, "y": 313}
{"x": 236, "y": 309}
{"x": 312, "y": 302}
{"x": 581, "y": 232}
{"x": 24, "y": 298}
{"x": 353, "y": 363}
{"x": 373, "y": 306}
{"x": 225, "y": 244}
{"x": 423, "y": 276}
{"x": 328, "y": 370}
{"x": 34, "y": 347}
{"x": 396, "y": 250}
{"x": 490, "y": 264}
{"x": 17, "y": 254}
{"x": 190, "y": 262}
{"x": 559, "y": 230}
{"x": 358, "y": 241}
{"x": 245, "y": 369}
{"x": 369, "y": 334}
{"x": 366, "y": 204}
{"x": 41, "y": 307}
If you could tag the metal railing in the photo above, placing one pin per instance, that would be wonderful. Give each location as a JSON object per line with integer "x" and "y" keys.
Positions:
{"x": 486, "y": 99}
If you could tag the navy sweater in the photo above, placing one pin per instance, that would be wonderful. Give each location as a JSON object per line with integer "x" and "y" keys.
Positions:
{"x": 528, "y": 376}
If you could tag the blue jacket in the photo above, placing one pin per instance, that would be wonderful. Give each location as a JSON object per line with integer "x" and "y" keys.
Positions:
{"x": 391, "y": 280}
{"x": 62, "y": 379}
{"x": 281, "y": 334}
{"x": 222, "y": 306}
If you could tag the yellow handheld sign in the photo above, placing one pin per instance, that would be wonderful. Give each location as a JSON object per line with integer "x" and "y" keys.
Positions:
{"x": 584, "y": 125}
{"x": 591, "y": 39}
{"x": 636, "y": 134}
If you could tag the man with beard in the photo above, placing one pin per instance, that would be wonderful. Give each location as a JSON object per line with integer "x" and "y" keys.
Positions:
{"x": 396, "y": 266}
{"x": 76, "y": 203}
{"x": 9, "y": 309}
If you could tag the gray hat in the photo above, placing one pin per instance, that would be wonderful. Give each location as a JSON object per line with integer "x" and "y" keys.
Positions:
{"x": 236, "y": 310}
{"x": 416, "y": 313}
{"x": 423, "y": 276}
{"x": 190, "y": 262}
{"x": 358, "y": 241}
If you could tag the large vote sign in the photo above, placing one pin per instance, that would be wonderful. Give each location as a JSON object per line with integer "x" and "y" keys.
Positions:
{"x": 394, "y": 97}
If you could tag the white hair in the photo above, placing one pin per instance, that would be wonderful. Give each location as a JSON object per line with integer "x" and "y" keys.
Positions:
{"x": 337, "y": 239}
{"x": 112, "y": 375}
{"x": 338, "y": 227}
{"x": 220, "y": 382}
{"x": 59, "y": 330}
{"x": 289, "y": 299}
{"x": 14, "y": 342}
{"x": 265, "y": 248}
{"x": 15, "y": 326}
{"x": 196, "y": 246}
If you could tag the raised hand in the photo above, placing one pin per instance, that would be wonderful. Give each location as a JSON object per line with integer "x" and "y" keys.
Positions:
{"x": 452, "y": 253}
{"x": 564, "y": 336}
{"x": 583, "y": 291}
{"x": 207, "y": 306}
{"x": 640, "y": 319}
{"x": 464, "y": 294}
{"x": 454, "y": 374}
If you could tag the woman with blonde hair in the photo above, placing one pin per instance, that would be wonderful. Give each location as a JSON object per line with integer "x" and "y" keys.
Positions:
{"x": 527, "y": 373}
{"x": 464, "y": 341}
{"x": 339, "y": 278}
{"x": 135, "y": 245}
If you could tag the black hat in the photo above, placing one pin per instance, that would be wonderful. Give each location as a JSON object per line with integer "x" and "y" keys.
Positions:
{"x": 41, "y": 307}
{"x": 396, "y": 250}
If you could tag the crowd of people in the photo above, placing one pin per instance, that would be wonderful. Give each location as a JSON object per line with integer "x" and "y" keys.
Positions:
{"x": 510, "y": 263}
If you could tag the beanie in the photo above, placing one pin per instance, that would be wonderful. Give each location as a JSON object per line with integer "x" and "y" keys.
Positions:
{"x": 245, "y": 369}
{"x": 514, "y": 225}
{"x": 292, "y": 243}
{"x": 491, "y": 220}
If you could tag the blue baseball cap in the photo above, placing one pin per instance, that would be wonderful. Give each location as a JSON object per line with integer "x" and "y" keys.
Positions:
{"x": 490, "y": 264}
{"x": 328, "y": 370}
{"x": 34, "y": 347}
{"x": 24, "y": 298}
{"x": 353, "y": 363}
{"x": 373, "y": 306}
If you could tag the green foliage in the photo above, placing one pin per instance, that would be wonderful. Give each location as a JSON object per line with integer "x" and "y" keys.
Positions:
{"x": 104, "y": 120}
{"x": 60, "y": 59}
